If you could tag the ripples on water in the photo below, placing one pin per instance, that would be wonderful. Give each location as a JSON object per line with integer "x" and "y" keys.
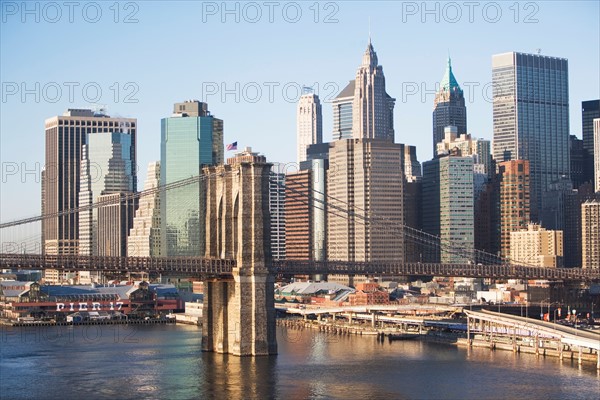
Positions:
{"x": 166, "y": 362}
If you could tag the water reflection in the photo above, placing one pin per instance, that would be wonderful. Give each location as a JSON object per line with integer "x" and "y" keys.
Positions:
{"x": 231, "y": 377}
{"x": 167, "y": 362}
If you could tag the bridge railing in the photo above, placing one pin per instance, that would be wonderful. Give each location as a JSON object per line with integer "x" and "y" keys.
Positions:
{"x": 201, "y": 265}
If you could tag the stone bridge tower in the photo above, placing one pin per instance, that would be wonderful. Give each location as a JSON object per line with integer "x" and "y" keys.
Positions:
{"x": 239, "y": 313}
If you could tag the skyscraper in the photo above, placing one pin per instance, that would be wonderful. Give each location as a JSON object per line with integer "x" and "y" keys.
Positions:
{"x": 309, "y": 122}
{"x": 190, "y": 139}
{"x": 465, "y": 145}
{"x": 342, "y": 113}
{"x": 531, "y": 117}
{"x": 590, "y": 110}
{"x": 448, "y": 206}
{"x": 318, "y": 165}
{"x": 277, "y": 210}
{"x": 578, "y": 158}
{"x": 365, "y": 178}
{"x": 597, "y": 154}
{"x": 412, "y": 199}
{"x": 372, "y": 108}
{"x": 65, "y": 137}
{"x": 448, "y": 108}
{"x": 412, "y": 166}
{"x": 298, "y": 216}
{"x": 514, "y": 186}
{"x": 144, "y": 236}
{"x": 108, "y": 166}
{"x": 590, "y": 234}
{"x": 553, "y": 213}
{"x": 115, "y": 218}
{"x": 572, "y": 222}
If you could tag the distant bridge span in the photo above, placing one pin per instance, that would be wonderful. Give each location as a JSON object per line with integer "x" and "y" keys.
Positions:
{"x": 293, "y": 267}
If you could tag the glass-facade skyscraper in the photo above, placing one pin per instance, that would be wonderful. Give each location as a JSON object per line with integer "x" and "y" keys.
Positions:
{"x": 531, "y": 117}
{"x": 190, "y": 139}
{"x": 108, "y": 166}
{"x": 448, "y": 208}
{"x": 448, "y": 108}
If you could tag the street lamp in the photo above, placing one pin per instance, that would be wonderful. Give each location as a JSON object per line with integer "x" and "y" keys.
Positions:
{"x": 557, "y": 309}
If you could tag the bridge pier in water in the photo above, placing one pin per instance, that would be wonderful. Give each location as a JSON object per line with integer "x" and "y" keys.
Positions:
{"x": 236, "y": 317}
{"x": 239, "y": 311}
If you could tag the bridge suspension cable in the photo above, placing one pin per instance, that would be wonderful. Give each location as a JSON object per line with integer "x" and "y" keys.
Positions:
{"x": 128, "y": 196}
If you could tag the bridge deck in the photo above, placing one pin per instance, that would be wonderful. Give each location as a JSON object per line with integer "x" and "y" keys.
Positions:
{"x": 179, "y": 265}
{"x": 212, "y": 266}
{"x": 293, "y": 267}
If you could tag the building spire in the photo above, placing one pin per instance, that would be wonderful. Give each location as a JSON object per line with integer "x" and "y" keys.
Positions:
{"x": 449, "y": 82}
{"x": 370, "y": 57}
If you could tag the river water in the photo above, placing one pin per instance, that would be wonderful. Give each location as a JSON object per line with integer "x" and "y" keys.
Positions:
{"x": 166, "y": 362}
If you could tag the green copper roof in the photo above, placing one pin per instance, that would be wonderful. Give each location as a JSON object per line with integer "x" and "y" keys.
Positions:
{"x": 449, "y": 82}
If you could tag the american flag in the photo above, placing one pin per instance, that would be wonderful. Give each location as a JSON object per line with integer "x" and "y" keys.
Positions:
{"x": 232, "y": 146}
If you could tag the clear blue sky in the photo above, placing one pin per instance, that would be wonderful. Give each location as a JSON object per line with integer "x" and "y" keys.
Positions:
{"x": 184, "y": 50}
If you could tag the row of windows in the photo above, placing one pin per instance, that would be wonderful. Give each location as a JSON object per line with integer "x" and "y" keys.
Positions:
{"x": 126, "y": 124}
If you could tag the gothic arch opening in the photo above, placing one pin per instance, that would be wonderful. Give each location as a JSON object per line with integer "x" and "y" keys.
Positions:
{"x": 236, "y": 210}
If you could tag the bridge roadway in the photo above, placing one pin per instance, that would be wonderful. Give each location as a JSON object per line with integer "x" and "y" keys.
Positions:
{"x": 201, "y": 266}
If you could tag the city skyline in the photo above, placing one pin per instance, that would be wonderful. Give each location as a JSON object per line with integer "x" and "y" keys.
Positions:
{"x": 416, "y": 67}
{"x": 247, "y": 169}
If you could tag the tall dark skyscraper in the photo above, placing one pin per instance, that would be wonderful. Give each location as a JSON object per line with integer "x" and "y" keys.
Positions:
{"x": 66, "y": 137}
{"x": 531, "y": 117}
{"x": 589, "y": 110}
{"x": 448, "y": 108}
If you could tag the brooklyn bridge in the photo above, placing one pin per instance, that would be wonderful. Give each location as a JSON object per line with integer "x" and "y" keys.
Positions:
{"x": 237, "y": 262}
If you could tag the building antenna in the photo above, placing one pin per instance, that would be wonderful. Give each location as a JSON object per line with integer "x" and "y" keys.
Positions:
{"x": 538, "y": 51}
{"x": 369, "y": 29}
